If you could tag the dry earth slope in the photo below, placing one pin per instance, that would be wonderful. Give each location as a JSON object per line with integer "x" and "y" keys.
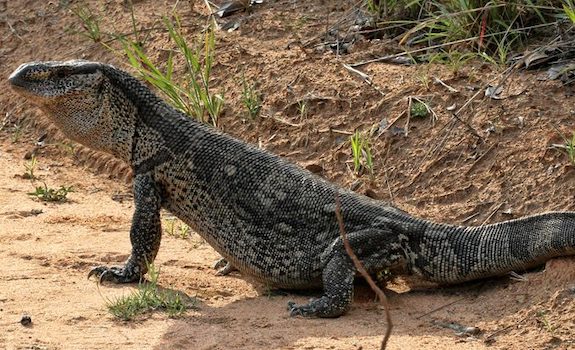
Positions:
{"x": 505, "y": 171}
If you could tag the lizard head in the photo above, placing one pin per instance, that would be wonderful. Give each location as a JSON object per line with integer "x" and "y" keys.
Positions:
{"x": 78, "y": 97}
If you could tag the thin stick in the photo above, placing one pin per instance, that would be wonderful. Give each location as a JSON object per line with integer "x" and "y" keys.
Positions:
{"x": 450, "y": 88}
{"x": 390, "y": 124}
{"x": 336, "y": 131}
{"x": 386, "y": 174}
{"x": 363, "y": 272}
{"x": 439, "y": 308}
{"x": 338, "y": 22}
{"x": 366, "y": 78}
{"x": 497, "y": 332}
{"x": 464, "y": 221}
{"x": 211, "y": 14}
{"x": 492, "y": 213}
{"x": 409, "y": 105}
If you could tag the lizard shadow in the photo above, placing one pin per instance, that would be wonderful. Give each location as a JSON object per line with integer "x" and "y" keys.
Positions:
{"x": 262, "y": 322}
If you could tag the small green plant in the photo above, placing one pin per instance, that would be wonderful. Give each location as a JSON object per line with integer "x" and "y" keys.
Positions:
{"x": 30, "y": 168}
{"x": 193, "y": 96}
{"x": 455, "y": 60}
{"x": 46, "y": 194}
{"x": 18, "y": 130}
{"x": 147, "y": 298}
{"x": 176, "y": 228}
{"x": 361, "y": 151}
{"x": 302, "y": 109}
{"x": 569, "y": 9}
{"x": 422, "y": 76}
{"x": 251, "y": 99}
{"x": 90, "y": 23}
{"x": 377, "y": 8}
{"x": 543, "y": 319}
{"x": 570, "y": 148}
{"x": 419, "y": 110}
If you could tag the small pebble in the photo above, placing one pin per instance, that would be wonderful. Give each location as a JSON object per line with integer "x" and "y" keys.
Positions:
{"x": 26, "y": 320}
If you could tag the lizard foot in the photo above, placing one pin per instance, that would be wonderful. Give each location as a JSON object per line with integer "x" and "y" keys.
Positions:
{"x": 224, "y": 267}
{"x": 321, "y": 307}
{"x": 114, "y": 274}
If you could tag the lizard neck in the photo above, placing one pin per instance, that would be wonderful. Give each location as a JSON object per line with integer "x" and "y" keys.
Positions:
{"x": 104, "y": 121}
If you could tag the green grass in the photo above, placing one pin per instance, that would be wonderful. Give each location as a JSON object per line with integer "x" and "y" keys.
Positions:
{"x": 454, "y": 59}
{"x": 190, "y": 92}
{"x": 192, "y": 95}
{"x": 302, "y": 109}
{"x": 176, "y": 228}
{"x": 569, "y": 9}
{"x": 570, "y": 148}
{"x": 18, "y": 129}
{"x": 147, "y": 298}
{"x": 30, "y": 168}
{"x": 251, "y": 99}
{"x": 493, "y": 28}
{"x": 48, "y": 194}
{"x": 419, "y": 110}
{"x": 543, "y": 319}
{"x": 361, "y": 152}
{"x": 90, "y": 23}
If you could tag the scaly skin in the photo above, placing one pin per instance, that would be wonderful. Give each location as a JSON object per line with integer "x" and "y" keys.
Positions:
{"x": 266, "y": 216}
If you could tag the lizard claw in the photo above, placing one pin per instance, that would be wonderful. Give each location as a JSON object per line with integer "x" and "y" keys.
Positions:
{"x": 293, "y": 309}
{"x": 320, "y": 307}
{"x": 224, "y": 267}
{"x": 113, "y": 274}
{"x": 301, "y": 310}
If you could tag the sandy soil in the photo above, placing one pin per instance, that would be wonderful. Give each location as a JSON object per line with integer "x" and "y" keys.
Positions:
{"x": 495, "y": 166}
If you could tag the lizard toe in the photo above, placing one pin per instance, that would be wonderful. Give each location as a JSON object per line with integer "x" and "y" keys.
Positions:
{"x": 321, "y": 307}
{"x": 113, "y": 274}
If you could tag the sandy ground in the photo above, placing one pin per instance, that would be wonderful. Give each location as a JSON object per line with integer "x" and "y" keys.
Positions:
{"x": 506, "y": 171}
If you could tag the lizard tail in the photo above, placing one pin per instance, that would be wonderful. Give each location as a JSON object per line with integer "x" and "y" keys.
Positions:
{"x": 453, "y": 254}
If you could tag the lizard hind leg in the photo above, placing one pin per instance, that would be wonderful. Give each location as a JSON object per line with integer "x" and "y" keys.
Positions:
{"x": 338, "y": 276}
{"x": 374, "y": 249}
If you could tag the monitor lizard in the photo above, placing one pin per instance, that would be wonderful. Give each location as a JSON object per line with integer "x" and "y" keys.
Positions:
{"x": 266, "y": 216}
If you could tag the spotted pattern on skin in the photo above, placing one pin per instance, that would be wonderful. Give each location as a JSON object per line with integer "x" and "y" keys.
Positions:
{"x": 267, "y": 217}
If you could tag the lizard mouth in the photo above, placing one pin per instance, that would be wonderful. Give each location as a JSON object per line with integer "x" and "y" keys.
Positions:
{"x": 17, "y": 83}
{"x": 21, "y": 89}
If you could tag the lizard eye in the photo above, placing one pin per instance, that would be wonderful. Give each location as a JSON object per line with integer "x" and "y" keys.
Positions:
{"x": 60, "y": 74}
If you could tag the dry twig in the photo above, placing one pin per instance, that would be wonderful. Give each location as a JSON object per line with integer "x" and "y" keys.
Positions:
{"x": 359, "y": 266}
{"x": 366, "y": 78}
{"x": 492, "y": 213}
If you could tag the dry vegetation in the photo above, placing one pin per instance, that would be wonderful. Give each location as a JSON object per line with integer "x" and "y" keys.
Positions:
{"x": 468, "y": 136}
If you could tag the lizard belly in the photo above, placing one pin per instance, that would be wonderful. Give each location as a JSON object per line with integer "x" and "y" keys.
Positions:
{"x": 279, "y": 260}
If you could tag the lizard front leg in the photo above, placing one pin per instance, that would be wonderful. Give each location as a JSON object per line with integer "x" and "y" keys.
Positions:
{"x": 145, "y": 234}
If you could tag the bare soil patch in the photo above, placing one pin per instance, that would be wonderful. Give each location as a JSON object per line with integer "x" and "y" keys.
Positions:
{"x": 507, "y": 172}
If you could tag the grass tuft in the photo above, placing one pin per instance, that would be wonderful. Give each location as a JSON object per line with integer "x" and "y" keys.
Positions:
{"x": 193, "y": 95}
{"x": 90, "y": 23}
{"x": 176, "y": 228}
{"x": 570, "y": 148}
{"x": 148, "y": 298}
{"x": 48, "y": 194}
{"x": 251, "y": 99}
{"x": 361, "y": 152}
{"x": 491, "y": 29}
{"x": 30, "y": 168}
